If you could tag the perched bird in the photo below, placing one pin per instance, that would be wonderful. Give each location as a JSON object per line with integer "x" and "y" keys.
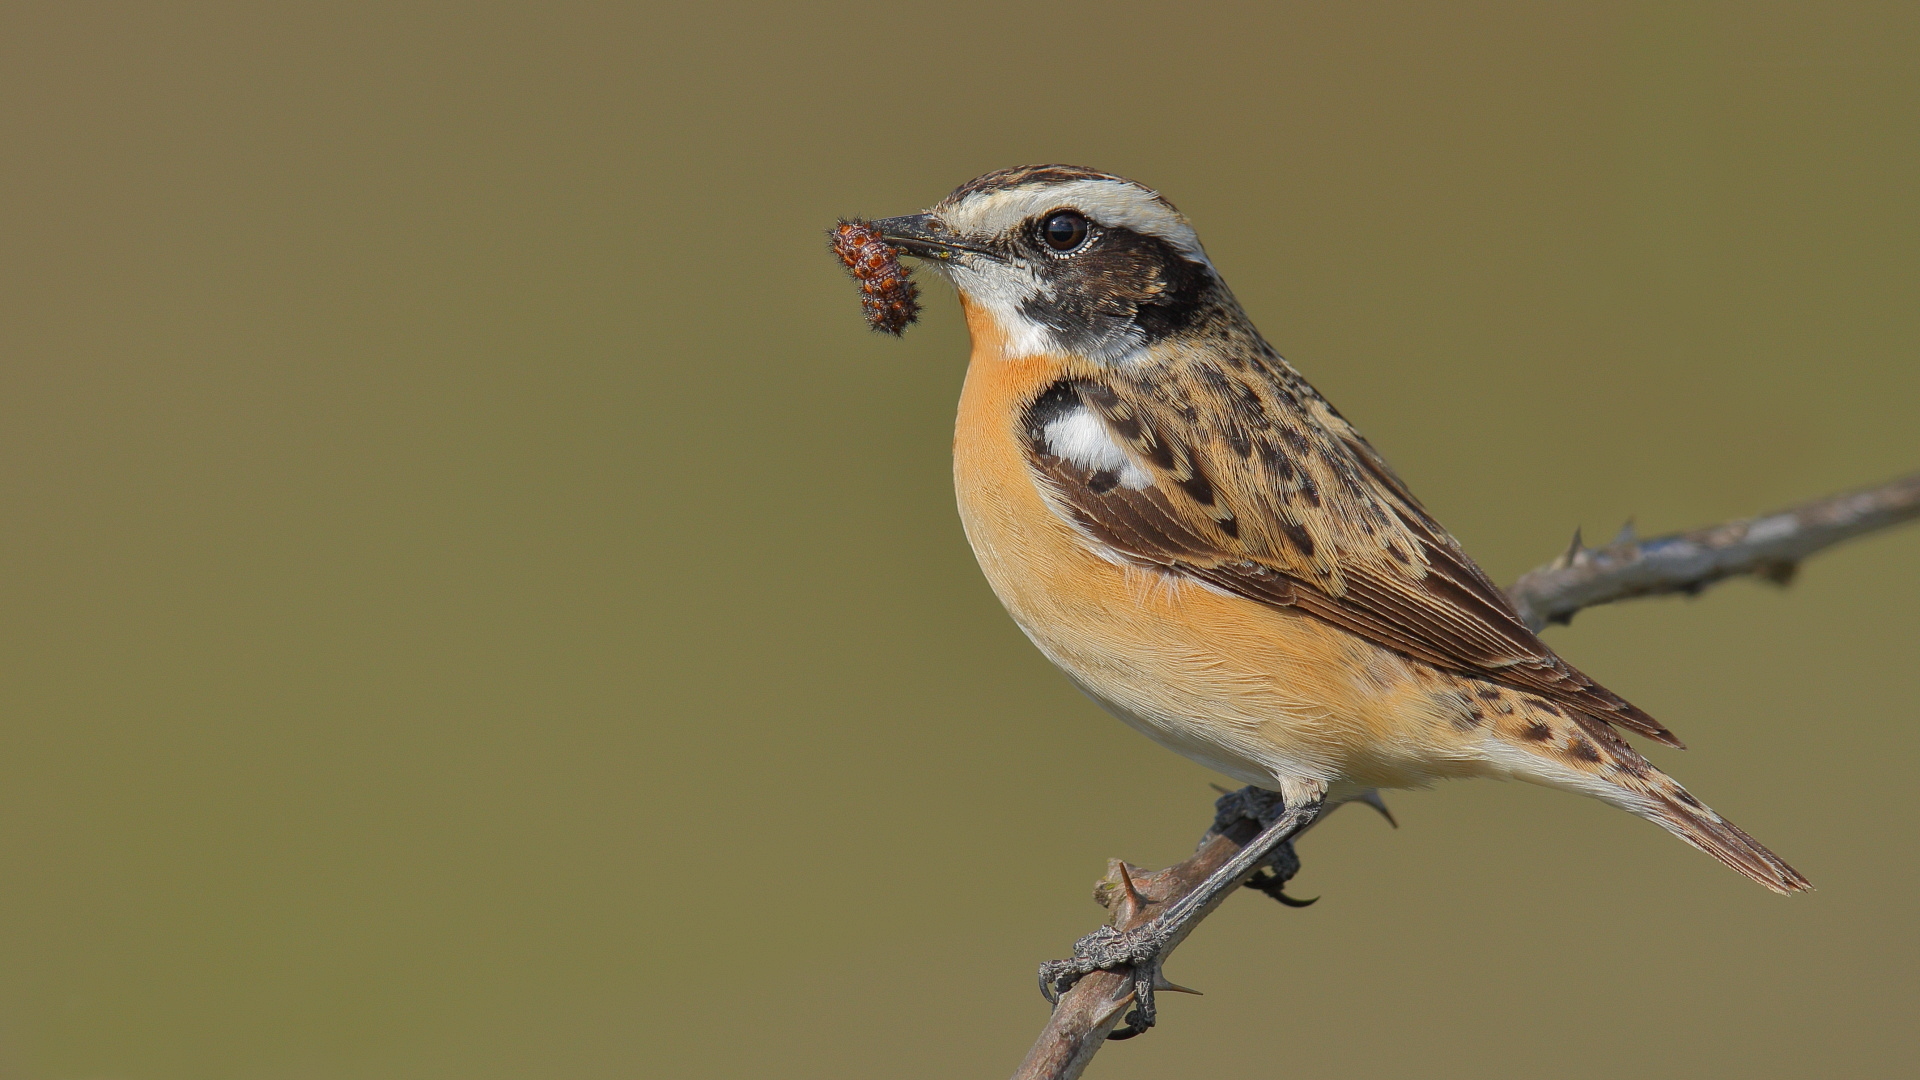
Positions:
{"x": 1215, "y": 555}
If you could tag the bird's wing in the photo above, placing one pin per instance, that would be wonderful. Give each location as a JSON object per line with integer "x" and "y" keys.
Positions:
{"x": 1246, "y": 480}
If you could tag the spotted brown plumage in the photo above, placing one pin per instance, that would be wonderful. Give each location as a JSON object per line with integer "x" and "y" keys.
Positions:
{"x": 1261, "y": 490}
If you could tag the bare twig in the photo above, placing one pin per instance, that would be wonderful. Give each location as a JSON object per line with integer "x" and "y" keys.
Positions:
{"x": 1769, "y": 547}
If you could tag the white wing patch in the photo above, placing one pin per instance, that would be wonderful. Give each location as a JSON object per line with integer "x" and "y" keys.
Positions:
{"x": 1079, "y": 437}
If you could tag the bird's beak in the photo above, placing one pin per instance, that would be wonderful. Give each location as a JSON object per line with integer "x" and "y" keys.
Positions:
{"x": 925, "y": 236}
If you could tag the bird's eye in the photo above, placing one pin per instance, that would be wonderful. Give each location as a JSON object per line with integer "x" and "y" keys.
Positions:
{"x": 1064, "y": 230}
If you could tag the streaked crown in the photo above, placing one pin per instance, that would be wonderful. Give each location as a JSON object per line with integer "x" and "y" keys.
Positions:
{"x": 998, "y": 202}
{"x": 1069, "y": 260}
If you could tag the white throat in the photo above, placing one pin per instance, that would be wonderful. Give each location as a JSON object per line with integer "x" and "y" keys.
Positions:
{"x": 1003, "y": 291}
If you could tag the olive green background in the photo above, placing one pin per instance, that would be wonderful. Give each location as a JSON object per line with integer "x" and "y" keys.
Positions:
{"x": 479, "y": 604}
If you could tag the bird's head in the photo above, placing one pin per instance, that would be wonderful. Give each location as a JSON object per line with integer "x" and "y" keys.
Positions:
{"x": 1066, "y": 260}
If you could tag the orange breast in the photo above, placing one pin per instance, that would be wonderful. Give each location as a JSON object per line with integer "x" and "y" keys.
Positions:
{"x": 1250, "y": 690}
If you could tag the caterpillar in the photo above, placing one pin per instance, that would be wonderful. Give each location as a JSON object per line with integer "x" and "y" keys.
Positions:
{"x": 888, "y": 294}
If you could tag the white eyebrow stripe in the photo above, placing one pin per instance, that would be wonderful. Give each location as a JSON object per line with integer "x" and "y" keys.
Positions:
{"x": 1114, "y": 203}
{"x": 1081, "y": 439}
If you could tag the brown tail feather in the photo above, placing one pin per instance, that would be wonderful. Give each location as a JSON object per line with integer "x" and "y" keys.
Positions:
{"x": 1661, "y": 800}
{"x": 1684, "y": 816}
{"x": 1581, "y": 753}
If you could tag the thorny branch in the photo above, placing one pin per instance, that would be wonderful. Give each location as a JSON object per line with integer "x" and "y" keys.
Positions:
{"x": 1769, "y": 547}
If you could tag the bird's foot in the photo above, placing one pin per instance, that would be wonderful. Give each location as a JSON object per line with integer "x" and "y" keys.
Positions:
{"x": 1276, "y": 870}
{"x": 1136, "y": 944}
{"x": 1138, "y": 952}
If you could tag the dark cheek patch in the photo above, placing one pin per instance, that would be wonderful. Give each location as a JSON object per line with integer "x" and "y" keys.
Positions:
{"x": 1125, "y": 287}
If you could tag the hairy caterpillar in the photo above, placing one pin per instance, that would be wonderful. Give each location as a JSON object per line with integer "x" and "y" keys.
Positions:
{"x": 887, "y": 291}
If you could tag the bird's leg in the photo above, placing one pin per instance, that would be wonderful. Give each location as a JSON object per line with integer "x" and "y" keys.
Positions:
{"x": 1260, "y": 806}
{"x": 1142, "y": 948}
{"x": 1272, "y": 877}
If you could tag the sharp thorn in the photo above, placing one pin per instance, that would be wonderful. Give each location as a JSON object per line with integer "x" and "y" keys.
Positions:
{"x": 1573, "y": 551}
{"x": 1163, "y": 983}
{"x": 1627, "y": 534}
{"x": 1372, "y": 798}
{"x": 1126, "y": 879}
{"x": 1115, "y": 1010}
{"x": 1221, "y": 790}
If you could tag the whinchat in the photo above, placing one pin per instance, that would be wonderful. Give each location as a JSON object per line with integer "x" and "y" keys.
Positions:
{"x": 1210, "y": 551}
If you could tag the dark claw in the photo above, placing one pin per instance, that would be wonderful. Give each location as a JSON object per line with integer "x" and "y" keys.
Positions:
{"x": 1137, "y": 1024}
{"x": 1275, "y": 886}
